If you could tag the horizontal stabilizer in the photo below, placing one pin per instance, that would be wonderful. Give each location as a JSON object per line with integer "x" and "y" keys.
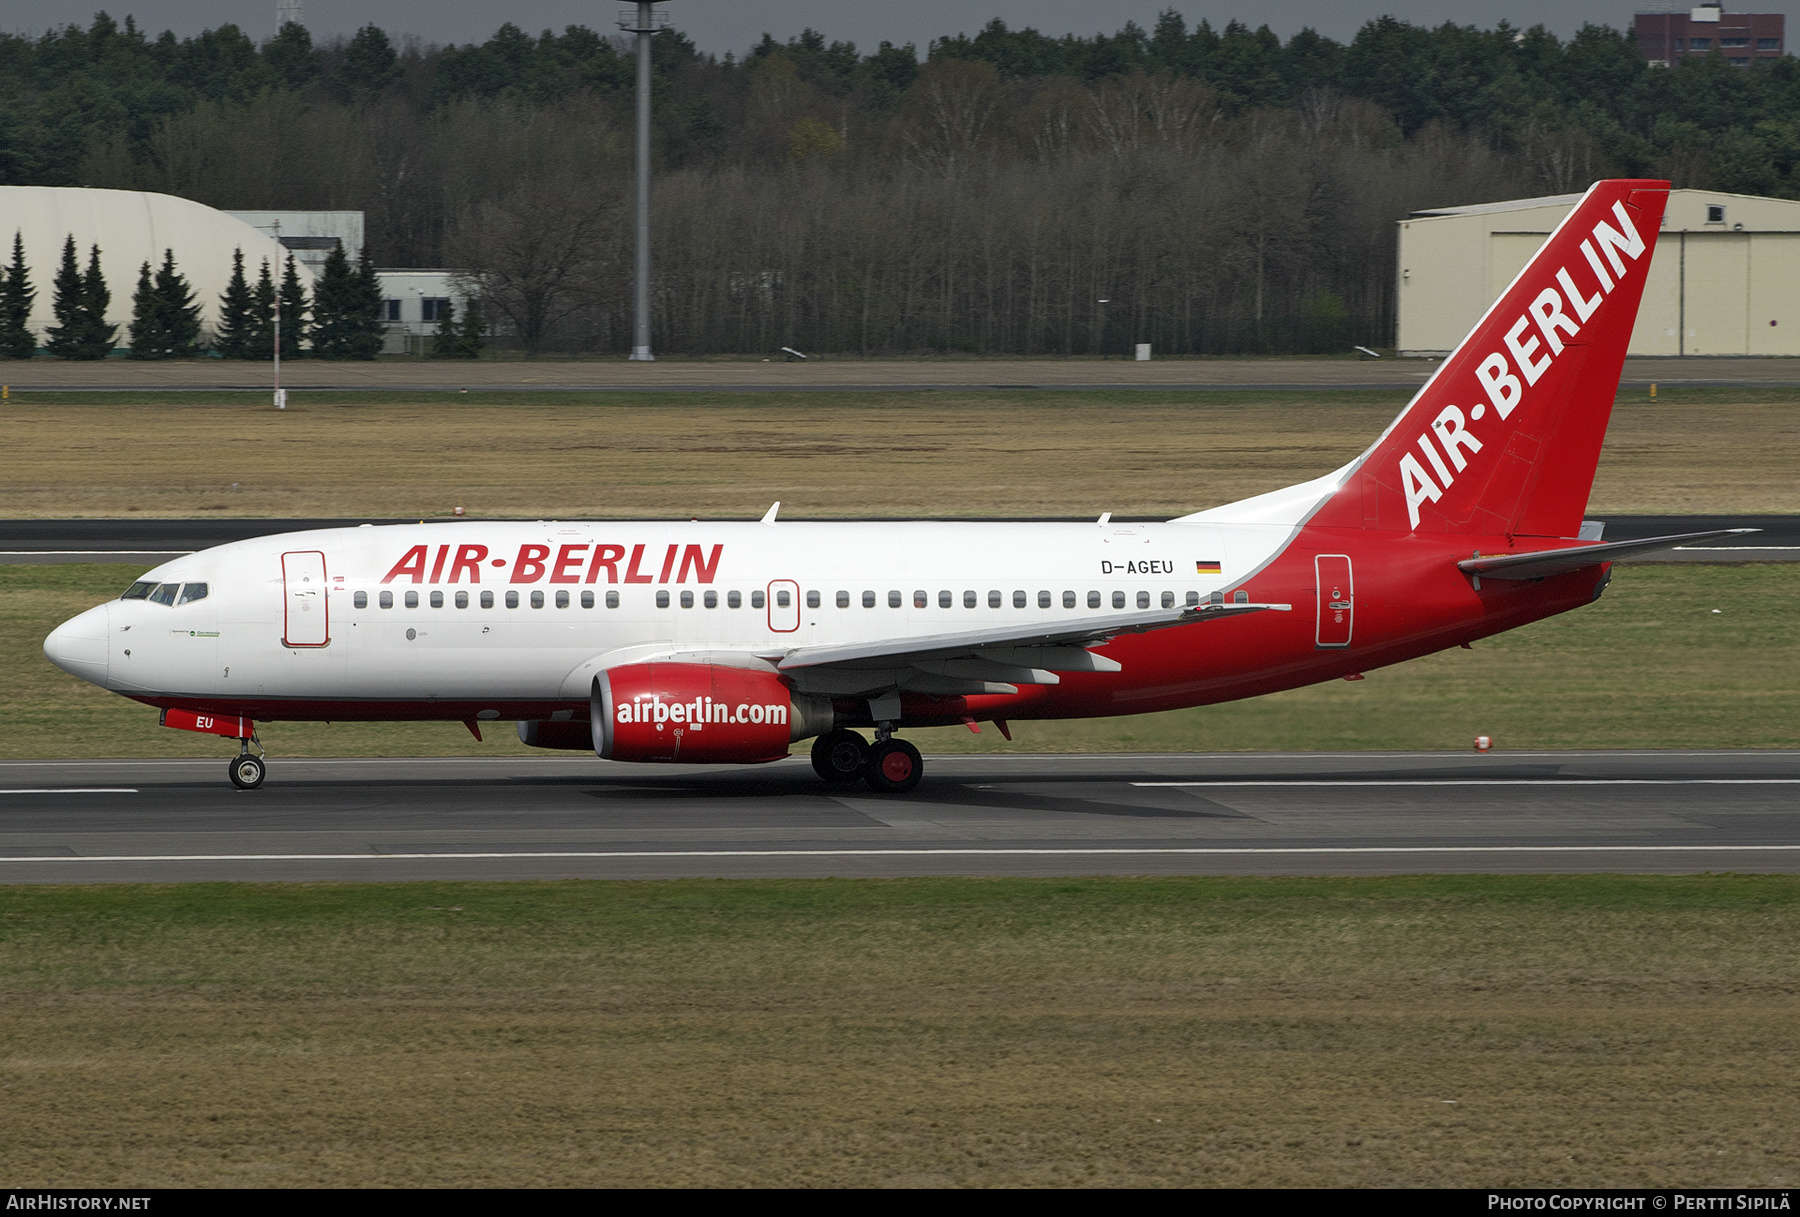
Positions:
{"x": 1546, "y": 562}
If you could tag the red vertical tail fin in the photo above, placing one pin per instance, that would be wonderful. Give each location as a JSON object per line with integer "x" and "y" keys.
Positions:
{"x": 1504, "y": 438}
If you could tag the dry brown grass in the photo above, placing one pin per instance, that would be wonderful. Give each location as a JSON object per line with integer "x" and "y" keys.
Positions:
{"x": 821, "y": 454}
{"x": 1575, "y": 1031}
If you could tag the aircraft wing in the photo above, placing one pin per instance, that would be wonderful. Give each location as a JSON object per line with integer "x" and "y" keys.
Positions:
{"x": 1545, "y": 562}
{"x": 994, "y": 660}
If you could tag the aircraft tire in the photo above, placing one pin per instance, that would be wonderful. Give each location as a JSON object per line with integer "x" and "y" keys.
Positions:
{"x": 247, "y": 772}
{"x": 895, "y": 767}
{"x": 840, "y": 757}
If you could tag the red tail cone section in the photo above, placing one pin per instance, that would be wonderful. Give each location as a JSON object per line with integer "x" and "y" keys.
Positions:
{"x": 1503, "y": 439}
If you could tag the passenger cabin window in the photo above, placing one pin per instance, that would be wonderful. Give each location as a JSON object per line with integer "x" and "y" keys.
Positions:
{"x": 612, "y": 600}
{"x": 970, "y": 599}
{"x": 782, "y": 599}
{"x": 687, "y": 599}
{"x": 437, "y": 600}
{"x": 734, "y": 600}
{"x": 1018, "y": 599}
{"x": 386, "y": 600}
{"x": 946, "y": 599}
{"x": 711, "y": 599}
{"x": 512, "y": 600}
{"x": 1168, "y": 599}
{"x": 1143, "y": 599}
{"x": 1118, "y": 599}
{"x": 1240, "y": 597}
{"x": 191, "y": 592}
{"x": 1043, "y": 599}
{"x": 868, "y": 599}
{"x": 921, "y": 599}
{"x": 412, "y": 600}
{"x": 562, "y": 599}
{"x": 140, "y": 590}
{"x": 994, "y": 598}
{"x": 462, "y": 600}
{"x": 812, "y": 599}
{"x": 894, "y": 598}
{"x": 1193, "y": 599}
{"x": 587, "y": 600}
{"x": 1068, "y": 599}
{"x": 165, "y": 594}
{"x": 537, "y": 600}
{"x": 662, "y": 600}
{"x": 843, "y": 599}
{"x": 487, "y": 600}
{"x": 756, "y": 600}
{"x": 1093, "y": 599}
{"x": 360, "y": 600}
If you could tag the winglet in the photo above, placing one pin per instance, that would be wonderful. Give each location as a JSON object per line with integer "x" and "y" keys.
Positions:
{"x": 769, "y": 515}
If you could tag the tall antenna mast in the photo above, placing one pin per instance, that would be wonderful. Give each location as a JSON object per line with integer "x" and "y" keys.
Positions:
{"x": 286, "y": 11}
{"x": 645, "y": 20}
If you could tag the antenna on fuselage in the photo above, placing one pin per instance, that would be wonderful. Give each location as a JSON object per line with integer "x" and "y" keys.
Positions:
{"x": 1104, "y": 517}
{"x": 769, "y": 515}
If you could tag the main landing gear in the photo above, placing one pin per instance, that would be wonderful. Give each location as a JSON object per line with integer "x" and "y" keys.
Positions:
{"x": 889, "y": 766}
{"x": 247, "y": 772}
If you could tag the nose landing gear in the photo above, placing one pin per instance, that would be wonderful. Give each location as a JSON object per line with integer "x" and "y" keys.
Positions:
{"x": 246, "y": 771}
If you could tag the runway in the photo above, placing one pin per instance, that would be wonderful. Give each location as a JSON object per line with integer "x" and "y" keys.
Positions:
{"x": 577, "y": 817}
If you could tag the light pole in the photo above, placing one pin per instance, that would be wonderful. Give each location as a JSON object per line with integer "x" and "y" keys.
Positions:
{"x": 645, "y": 23}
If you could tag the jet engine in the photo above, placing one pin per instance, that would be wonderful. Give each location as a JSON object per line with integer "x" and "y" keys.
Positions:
{"x": 700, "y": 712}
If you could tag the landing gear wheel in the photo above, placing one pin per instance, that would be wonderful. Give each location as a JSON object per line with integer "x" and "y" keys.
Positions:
{"x": 839, "y": 757}
{"x": 247, "y": 772}
{"x": 895, "y": 767}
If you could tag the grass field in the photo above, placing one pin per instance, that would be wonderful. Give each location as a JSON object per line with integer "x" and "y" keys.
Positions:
{"x": 1650, "y": 666}
{"x": 936, "y": 453}
{"x": 1472, "y": 1031}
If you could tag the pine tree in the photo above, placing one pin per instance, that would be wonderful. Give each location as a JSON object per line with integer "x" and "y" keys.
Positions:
{"x": 472, "y": 333}
{"x": 236, "y": 337}
{"x": 370, "y": 331}
{"x": 149, "y": 326}
{"x": 294, "y": 327}
{"x": 260, "y": 343}
{"x": 63, "y": 339}
{"x": 16, "y": 297}
{"x": 333, "y": 300}
{"x": 347, "y": 304}
{"x": 444, "y": 344}
{"x": 97, "y": 337}
{"x": 180, "y": 311}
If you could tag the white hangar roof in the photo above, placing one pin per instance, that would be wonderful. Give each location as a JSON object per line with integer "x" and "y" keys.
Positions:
{"x": 131, "y": 227}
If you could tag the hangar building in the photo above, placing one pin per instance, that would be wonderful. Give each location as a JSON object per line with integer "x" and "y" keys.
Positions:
{"x": 1725, "y": 278}
{"x": 131, "y": 227}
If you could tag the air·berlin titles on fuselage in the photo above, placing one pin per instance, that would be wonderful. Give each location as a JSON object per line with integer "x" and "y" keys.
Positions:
{"x": 572, "y": 564}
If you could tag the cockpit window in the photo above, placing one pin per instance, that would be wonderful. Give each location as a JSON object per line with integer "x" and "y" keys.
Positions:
{"x": 164, "y": 593}
{"x": 191, "y": 592}
{"x": 139, "y": 590}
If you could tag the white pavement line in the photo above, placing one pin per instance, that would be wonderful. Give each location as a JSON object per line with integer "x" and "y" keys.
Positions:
{"x": 932, "y": 853}
{"x": 77, "y": 790}
{"x": 1352, "y": 782}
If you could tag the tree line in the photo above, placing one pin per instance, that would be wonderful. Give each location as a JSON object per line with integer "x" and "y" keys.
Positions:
{"x": 342, "y": 318}
{"x": 1218, "y": 189}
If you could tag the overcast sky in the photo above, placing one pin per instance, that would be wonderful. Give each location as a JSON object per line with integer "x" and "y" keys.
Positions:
{"x": 733, "y": 25}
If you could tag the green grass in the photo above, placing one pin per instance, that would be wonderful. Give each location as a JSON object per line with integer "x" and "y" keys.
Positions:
{"x": 1652, "y": 665}
{"x": 1466, "y": 1031}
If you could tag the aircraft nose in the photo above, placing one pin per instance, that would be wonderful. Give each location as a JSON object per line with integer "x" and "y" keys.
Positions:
{"x": 79, "y": 645}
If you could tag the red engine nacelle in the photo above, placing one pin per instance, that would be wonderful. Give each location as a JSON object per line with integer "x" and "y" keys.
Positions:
{"x": 698, "y": 713}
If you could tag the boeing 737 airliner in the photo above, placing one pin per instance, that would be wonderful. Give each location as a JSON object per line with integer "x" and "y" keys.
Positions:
{"x": 729, "y": 642}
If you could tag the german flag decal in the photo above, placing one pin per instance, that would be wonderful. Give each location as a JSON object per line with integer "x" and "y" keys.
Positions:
{"x": 1208, "y": 568}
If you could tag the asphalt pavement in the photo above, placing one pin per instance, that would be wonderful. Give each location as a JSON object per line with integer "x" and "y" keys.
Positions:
{"x": 91, "y": 821}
